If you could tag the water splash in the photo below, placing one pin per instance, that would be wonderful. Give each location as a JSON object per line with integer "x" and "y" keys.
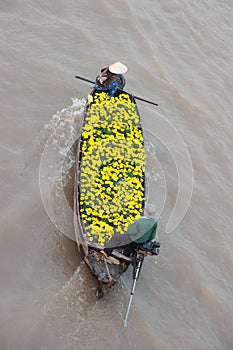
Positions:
{"x": 57, "y": 141}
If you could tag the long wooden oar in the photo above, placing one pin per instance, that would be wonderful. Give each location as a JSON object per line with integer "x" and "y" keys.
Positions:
{"x": 136, "y": 276}
{"x": 84, "y": 79}
{"x": 138, "y": 98}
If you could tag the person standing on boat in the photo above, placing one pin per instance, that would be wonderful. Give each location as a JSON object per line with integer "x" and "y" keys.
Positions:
{"x": 111, "y": 78}
{"x": 140, "y": 231}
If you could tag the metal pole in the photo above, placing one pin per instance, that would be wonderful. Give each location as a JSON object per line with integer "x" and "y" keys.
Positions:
{"x": 139, "y": 266}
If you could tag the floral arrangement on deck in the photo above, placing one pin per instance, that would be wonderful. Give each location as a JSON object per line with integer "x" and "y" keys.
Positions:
{"x": 112, "y": 167}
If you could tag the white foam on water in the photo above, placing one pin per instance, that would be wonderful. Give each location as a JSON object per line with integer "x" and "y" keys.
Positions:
{"x": 58, "y": 143}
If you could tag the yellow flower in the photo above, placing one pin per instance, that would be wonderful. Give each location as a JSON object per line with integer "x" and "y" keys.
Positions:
{"x": 113, "y": 162}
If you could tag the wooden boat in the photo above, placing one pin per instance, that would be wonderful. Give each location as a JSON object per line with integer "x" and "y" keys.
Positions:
{"x": 106, "y": 271}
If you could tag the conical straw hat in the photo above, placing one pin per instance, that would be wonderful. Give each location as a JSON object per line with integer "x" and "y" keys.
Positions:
{"x": 118, "y": 68}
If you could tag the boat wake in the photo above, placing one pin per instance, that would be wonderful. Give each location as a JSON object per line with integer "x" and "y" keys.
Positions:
{"x": 57, "y": 144}
{"x": 73, "y": 312}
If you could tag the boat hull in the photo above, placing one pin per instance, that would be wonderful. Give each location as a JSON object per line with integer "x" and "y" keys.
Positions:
{"x": 106, "y": 271}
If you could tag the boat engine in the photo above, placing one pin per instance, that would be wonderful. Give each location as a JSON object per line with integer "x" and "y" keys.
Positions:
{"x": 151, "y": 247}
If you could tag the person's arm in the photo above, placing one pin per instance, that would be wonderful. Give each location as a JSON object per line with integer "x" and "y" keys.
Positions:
{"x": 154, "y": 232}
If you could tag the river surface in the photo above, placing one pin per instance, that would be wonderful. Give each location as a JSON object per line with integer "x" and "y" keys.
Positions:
{"x": 179, "y": 54}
